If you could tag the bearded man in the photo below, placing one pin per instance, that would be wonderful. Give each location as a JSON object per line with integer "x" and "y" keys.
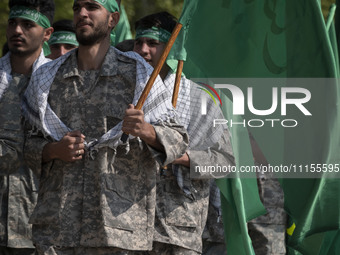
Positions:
{"x": 97, "y": 195}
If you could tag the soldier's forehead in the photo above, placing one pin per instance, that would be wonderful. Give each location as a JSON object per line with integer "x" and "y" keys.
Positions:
{"x": 17, "y": 19}
{"x": 85, "y": 1}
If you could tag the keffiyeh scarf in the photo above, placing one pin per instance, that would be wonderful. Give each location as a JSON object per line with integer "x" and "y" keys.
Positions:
{"x": 37, "y": 111}
{"x": 6, "y": 69}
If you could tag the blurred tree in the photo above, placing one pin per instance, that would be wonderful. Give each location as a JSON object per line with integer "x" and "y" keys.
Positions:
{"x": 63, "y": 9}
{"x": 135, "y": 10}
{"x": 3, "y": 22}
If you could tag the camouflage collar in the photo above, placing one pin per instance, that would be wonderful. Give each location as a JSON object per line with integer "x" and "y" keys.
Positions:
{"x": 109, "y": 66}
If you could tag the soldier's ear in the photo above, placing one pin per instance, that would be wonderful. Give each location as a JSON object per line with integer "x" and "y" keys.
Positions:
{"x": 114, "y": 19}
{"x": 47, "y": 33}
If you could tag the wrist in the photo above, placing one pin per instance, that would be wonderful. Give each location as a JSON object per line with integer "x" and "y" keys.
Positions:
{"x": 48, "y": 152}
{"x": 184, "y": 161}
{"x": 149, "y": 134}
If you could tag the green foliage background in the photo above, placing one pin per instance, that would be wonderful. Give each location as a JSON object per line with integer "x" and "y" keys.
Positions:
{"x": 135, "y": 9}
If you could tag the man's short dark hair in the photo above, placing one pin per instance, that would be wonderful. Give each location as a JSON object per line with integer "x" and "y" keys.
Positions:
{"x": 46, "y": 7}
{"x": 161, "y": 19}
{"x": 126, "y": 45}
{"x": 63, "y": 25}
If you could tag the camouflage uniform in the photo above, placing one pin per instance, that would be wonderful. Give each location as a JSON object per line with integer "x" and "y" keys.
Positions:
{"x": 213, "y": 235}
{"x": 99, "y": 202}
{"x": 11, "y": 135}
{"x": 18, "y": 191}
{"x": 181, "y": 214}
{"x": 158, "y": 249}
{"x": 267, "y": 232}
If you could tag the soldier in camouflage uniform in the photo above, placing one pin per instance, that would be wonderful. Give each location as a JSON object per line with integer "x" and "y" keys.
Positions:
{"x": 18, "y": 190}
{"x": 182, "y": 196}
{"x": 97, "y": 195}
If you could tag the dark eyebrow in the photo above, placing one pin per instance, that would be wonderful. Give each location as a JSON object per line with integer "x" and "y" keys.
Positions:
{"x": 28, "y": 21}
{"x": 151, "y": 40}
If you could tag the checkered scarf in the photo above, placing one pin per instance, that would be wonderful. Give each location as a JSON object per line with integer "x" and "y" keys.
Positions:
{"x": 199, "y": 127}
{"x": 6, "y": 69}
{"x": 37, "y": 111}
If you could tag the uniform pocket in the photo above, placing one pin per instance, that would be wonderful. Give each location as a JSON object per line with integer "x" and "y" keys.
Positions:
{"x": 179, "y": 209}
{"x": 119, "y": 208}
{"x": 121, "y": 186}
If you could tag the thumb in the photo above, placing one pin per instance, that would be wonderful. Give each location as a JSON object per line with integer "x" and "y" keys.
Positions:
{"x": 131, "y": 106}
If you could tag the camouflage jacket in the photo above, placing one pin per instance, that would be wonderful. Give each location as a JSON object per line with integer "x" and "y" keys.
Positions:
{"x": 181, "y": 213}
{"x": 11, "y": 135}
{"x": 98, "y": 201}
{"x": 18, "y": 185}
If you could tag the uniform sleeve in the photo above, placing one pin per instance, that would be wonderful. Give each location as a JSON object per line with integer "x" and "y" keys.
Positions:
{"x": 214, "y": 162}
{"x": 174, "y": 139}
{"x": 11, "y": 132}
{"x": 33, "y": 147}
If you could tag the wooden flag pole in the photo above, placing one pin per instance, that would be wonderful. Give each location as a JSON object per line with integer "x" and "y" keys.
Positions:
{"x": 176, "y": 90}
{"x": 155, "y": 72}
{"x": 177, "y": 82}
{"x": 159, "y": 66}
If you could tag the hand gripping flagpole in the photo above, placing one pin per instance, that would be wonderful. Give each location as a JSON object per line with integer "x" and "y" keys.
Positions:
{"x": 155, "y": 72}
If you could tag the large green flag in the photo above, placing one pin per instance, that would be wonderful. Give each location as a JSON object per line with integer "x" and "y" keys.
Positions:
{"x": 281, "y": 40}
{"x": 122, "y": 31}
{"x": 240, "y": 198}
{"x": 315, "y": 212}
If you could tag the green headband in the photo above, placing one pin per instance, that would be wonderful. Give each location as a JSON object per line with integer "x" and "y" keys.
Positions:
{"x": 110, "y": 5}
{"x": 63, "y": 37}
{"x": 156, "y": 33}
{"x": 23, "y": 12}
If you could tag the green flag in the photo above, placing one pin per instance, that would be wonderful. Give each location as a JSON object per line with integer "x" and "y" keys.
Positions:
{"x": 122, "y": 31}
{"x": 178, "y": 51}
{"x": 280, "y": 40}
{"x": 240, "y": 198}
{"x": 315, "y": 211}
{"x": 331, "y": 243}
